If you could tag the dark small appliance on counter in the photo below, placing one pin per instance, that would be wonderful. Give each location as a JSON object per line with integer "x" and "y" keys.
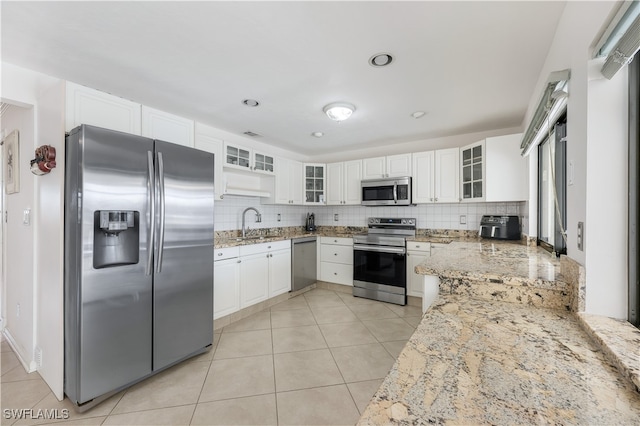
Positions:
{"x": 500, "y": 227}
{"x": 310, "y": 226}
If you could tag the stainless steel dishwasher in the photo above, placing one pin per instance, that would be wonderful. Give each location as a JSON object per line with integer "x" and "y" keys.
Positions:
{"x": 303, "y": 262}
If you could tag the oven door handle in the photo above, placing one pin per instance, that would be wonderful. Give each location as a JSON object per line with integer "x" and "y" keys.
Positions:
{"x": 395, "y": 193}
{"x": 397, "y": 250}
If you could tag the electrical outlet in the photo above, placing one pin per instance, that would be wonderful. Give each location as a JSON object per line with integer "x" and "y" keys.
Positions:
{"x": 279, "y": 217}
{"x": 335, "y": 217}
{"x": 580, "y": 236}
{"x": 463, "y": 219}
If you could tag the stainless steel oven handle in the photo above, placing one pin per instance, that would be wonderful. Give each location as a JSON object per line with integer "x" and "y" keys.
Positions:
{"x": 395, "y": 193}
{"x": 380, "y": 249}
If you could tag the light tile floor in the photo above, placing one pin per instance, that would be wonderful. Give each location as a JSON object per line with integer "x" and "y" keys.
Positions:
{"x": 314, "y": 359}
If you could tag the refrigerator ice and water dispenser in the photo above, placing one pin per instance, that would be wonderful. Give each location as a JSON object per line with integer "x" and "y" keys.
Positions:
{"x": 116, "y": 238}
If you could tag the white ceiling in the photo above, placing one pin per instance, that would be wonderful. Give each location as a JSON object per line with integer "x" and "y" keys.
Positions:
{"x": 472, "y": 66}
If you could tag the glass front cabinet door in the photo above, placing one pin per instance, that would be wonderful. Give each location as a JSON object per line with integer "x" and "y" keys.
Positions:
{"x": 472, "y": 158}
{"x": 314, "y": 176}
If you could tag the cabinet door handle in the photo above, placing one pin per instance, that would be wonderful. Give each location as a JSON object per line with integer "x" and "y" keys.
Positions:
{"x": 430, "y": 199}
{"x": 239, "y": 261}
{"x": 335, "y": 273}
{"x": 335, "y": 254}
{"x": 436, "y": 199}
{"x": 219, "y": 254}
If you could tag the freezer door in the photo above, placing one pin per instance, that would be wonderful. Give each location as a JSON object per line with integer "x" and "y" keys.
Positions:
{"x": 183, "y": 282}
{"x": 108, "y": 295}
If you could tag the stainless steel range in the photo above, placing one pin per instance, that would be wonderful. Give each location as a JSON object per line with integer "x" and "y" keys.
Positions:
{"x": 379, "y": 260}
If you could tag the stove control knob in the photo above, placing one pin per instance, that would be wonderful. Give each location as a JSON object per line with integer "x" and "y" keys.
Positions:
{"x": 377, "y": 220}
{"x": 372, "y": 220}
{"x": 404, "y": 221}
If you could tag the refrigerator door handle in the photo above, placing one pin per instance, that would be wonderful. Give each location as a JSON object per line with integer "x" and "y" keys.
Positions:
{"x": 162, "y": 212}
{"x": 152, "y": 214}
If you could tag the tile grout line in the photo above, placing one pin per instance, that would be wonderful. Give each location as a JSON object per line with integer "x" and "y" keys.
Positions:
{"x": 273, "y": 364}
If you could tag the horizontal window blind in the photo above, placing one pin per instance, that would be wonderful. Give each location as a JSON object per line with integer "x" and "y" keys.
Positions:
{"x": 552, "y": 103}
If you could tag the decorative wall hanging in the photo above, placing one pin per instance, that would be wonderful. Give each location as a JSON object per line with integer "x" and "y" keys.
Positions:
{"x": 45, "y": 160}
{"x": 12, "y": 163}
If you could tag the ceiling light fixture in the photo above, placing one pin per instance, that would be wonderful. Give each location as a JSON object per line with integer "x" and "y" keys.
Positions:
{"x": 380, "y": 60}
{"x": 251, "y": 102}
{"x": 317, "y": 134}
{"x": 339, "y": 111}
{"x": 418, "y": 114}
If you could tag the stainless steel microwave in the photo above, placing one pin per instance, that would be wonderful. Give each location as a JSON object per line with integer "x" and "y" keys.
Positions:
{"x": 386, "y": 192}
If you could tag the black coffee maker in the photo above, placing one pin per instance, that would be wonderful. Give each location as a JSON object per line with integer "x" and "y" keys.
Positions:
{"x": 311, "y": 223}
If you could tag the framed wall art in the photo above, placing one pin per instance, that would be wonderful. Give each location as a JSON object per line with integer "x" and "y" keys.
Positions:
{"x": 12, "y": 162}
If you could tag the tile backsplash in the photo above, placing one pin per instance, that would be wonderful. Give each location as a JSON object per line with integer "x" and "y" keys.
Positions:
{"x": 228, "y": 214}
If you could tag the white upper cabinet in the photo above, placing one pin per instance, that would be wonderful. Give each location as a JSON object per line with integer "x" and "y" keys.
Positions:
{"x": 288, "y": 182}
{"x": 399, "y": 165}
{"x": 389, "y": 166}
{"x": 89, "y": 106}
{"x": 242, "y": 158}
{"x": 472, "y": 171}
{"x": 167, "y": 127}
{"x": 314, "y": 184}
{"x": 507, "y": 172}
{"x": 343, "y": 183}
{"x": 215, "y": 146}
{"x": 373, "y": 168}
{"x": 423, "y": 185}
{"x": 493, "y": 170}
{"x": 435, "y": 176}
{"x": 447, "y": 176}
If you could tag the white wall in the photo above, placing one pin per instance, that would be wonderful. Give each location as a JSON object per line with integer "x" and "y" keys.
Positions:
{"x": 606, "y": 226}
{"x": 49, "y": 244}
{"x": 19, "y": 262}
{"x": 44, "y": 96}
{"x": 595, "y": 119}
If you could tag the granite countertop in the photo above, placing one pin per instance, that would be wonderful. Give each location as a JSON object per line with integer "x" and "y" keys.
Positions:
{"x": 475, "y": 361}
{"x": 491, "y": 260}
{"x": 233, "y": 241}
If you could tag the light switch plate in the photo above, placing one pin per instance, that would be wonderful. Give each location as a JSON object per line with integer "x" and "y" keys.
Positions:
{"x": 335, "y": 217}
{"x": 26, "y": 217}
{"x": 463, "y": 219}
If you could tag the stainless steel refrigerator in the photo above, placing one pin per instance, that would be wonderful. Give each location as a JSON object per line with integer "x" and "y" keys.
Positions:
{"x": 138, "y": 259}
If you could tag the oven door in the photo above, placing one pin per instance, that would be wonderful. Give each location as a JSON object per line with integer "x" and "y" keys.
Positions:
{"x": 380, "y": 267}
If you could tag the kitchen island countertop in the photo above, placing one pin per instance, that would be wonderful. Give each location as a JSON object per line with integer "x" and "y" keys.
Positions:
{"x": 473, "y": 361}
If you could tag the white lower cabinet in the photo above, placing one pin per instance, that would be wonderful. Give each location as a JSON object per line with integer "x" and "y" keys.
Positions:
{"x": 336, "y": 260}
{"x": 265, "y": 271}
{"x": 417, "y": 252}
{"x": 246, "y": 275}
{"x": 226, "y": 282}
{"x": 279, "y": 272}
{"x": 254, "y": 284}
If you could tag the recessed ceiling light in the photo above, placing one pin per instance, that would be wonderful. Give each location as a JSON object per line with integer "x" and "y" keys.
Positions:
{"x": 339, "y": 111}
{"x": 380, "y": 60}
{"x": 251, "y": 102}
{"x": 418, "y": 114}
{"x": 317, "y": 134}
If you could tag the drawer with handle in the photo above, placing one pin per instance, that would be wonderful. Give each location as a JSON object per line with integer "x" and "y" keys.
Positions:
{"x": 336, "y": 254}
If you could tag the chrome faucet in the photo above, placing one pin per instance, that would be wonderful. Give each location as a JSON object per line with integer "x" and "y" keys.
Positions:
{"x": 244, "y": 213}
